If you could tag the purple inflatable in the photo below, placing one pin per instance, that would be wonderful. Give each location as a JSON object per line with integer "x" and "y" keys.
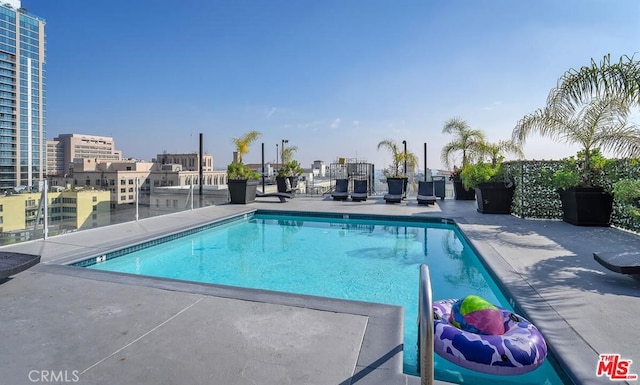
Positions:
{"x": 519, "y": 350}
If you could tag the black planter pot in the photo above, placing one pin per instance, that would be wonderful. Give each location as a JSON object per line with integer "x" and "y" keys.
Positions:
{"x": 494, "y": 198}
{"x": 281, "y": 182}
{"x": 461, "y": 193}
{"x": 242, "y": 191}
{"x": 586, "y": 206}
{"x": 405, "y": 183}
{"x": 293, "y": 181}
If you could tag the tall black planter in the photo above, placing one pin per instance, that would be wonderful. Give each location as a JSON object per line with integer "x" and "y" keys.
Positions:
{"x": 461, "y": 193}
{"x": 586, "y": 206}
{"x": 405, "y": 183}
{"x": 293, "y": 180}
{"x": 242, "y": 191}
{"x": 494, "y": 198}
{"x": 281, "y": 182}
{"x": 284, "y": 187}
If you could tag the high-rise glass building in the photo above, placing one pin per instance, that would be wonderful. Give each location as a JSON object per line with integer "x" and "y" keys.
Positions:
{"x": 22, "y": 96}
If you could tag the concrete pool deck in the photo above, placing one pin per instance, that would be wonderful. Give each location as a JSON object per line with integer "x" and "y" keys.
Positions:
{"x": 96, "y": 327}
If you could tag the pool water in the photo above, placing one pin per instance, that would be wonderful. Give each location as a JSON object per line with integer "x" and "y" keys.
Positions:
{"x": 365, "y": 260}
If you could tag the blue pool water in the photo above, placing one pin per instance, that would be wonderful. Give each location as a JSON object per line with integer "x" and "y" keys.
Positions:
{"x": 365, "y": 260}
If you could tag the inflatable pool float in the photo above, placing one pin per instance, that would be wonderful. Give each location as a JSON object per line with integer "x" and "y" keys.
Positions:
{"x": 477, "y": 335}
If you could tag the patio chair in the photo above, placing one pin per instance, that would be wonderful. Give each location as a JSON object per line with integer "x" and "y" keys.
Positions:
{"x": 13, "y": 263}
{"x": 396, "y": 187}
{"x": 360, "y": 190}
{"x": 282, "y": 196}
{"x": 623, "y": 262}
{"x": 341, "y": 192}
{"x": 425, "y": 193}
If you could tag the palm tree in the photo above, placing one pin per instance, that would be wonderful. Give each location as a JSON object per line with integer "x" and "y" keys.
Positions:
{"x": 287, "y": 154}
{"x": 496, "y": 150}
{"x": 398, "y": 156}
{"x": 465, "y": 139}
{"x": 244, "y": 142}
{"x": 618, "y": 80}
{"x": 601, "y": 124}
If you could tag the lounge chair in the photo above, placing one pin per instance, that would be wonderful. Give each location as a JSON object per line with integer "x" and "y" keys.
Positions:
{"x": 13, "y": 263}
{"x": 623, "y": 262}
{"x": 282, "y": 196}
{"x": 425, "y": 193}
{"x": 396, "y": 187}
{"x": 341, "y": 192}
{"x": 360, "y": 190}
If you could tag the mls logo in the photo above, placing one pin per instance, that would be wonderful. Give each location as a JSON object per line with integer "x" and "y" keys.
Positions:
{"x": 615, "y": 368}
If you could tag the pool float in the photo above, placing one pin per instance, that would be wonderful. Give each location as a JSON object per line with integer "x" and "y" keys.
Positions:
{"x": 477, "y": 335}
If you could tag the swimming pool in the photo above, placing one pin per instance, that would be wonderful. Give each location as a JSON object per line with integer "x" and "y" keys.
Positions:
{"x": 362, "y": 259}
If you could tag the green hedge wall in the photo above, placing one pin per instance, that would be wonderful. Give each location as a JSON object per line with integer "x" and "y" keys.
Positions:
{"x": 535, "y": 196}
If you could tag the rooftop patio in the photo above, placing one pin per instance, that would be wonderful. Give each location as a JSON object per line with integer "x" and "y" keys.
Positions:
{"x": 114, "y": 328}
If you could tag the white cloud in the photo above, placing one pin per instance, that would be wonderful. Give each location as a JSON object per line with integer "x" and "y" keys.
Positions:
{"x": 492, "y": 105}
{"x": 271, "y": 111}
{"x": 335, "y": 123}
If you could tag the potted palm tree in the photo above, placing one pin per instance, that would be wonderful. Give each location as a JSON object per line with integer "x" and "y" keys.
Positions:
{"x": 468, "y": 141}
{"x": 493, "y": 186}
{"x": 600, "y": 123}
{"x": 398, "y": 157}
{"x": 287, "y": 178}
{"x": 241, "y": 180}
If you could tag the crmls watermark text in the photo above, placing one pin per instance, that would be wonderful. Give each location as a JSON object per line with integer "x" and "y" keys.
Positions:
{"x": 614, "y": 367}
{"x": 54, "y": 376}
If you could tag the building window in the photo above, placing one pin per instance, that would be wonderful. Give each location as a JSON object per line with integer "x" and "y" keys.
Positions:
{"x": 123, "y": 197}
{"x": 128, "y": 168}
{"x": 123, "y": 190}
{"x": 94, "y": 216}
{"x": 123, "y": 182}
{"x": 130, "y": 189}
{"x": 30, "y": 203}
{"x": 87, "y": 182}
{"x": 175, "y": 203}
{"x": 131, "y": 197}
{"x": 94, "y": 199}
{"x": 130, "y": 181}
{"x": 112, "y": 182}
{"x": 0, "y": 208}
{"x": 95, "y": 207}
{"x": 157, "y": 202}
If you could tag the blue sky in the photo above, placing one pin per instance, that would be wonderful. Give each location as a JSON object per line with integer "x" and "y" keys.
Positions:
{"x": 333, "y": 77}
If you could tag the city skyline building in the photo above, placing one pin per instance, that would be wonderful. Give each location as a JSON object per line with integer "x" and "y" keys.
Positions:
{"x": 64, "y": 149}
{"x": 22, "y": 96}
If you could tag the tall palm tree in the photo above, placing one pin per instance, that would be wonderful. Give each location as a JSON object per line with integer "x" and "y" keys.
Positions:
{"x": 398, "y": 156}
{"x": 465, "y": 139}
{"x": 618, "y": 80}
{"x": 287, "y": 154}
{"x": 244, "y": 142}
{"x": 601, "y": 124}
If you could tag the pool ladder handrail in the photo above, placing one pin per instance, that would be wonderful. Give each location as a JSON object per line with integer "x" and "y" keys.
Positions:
{"x": 425, "y": 327}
